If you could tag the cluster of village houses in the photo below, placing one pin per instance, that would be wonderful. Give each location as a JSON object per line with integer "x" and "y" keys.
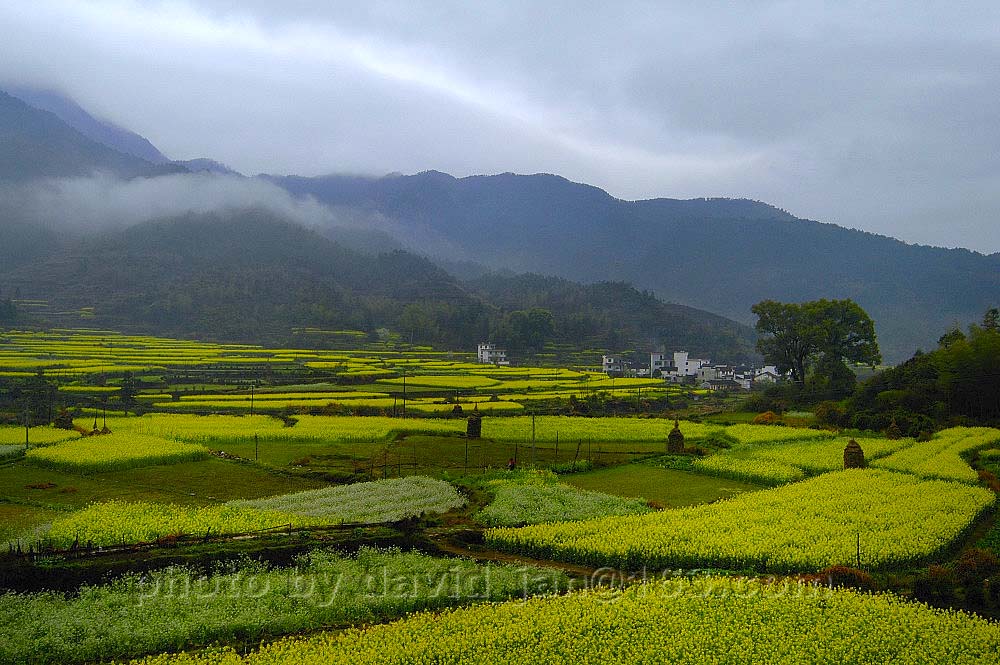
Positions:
{"x": 680, "y": 368}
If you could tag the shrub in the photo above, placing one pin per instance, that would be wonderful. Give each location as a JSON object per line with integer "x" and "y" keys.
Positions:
{"x": 974, "y": 565}
{"x": 831, "y": 413}
{"x": 993, "y": 589}
{"x": 767, "y": 418}
{"x": 850, "y": 578}
{"x": 989, "y": 479}
{"x": 936, "y": 586}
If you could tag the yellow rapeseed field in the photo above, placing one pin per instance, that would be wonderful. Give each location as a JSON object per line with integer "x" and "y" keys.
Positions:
{"x": 709, "y": 620}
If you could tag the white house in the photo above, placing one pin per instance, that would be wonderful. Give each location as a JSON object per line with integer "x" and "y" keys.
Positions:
{"x": 658, "y": 361}
{"x": 685, "y": 366}
{"x": 612, "y": 364}
{"x": 766, "y": 374}
{"x": 489, "y": 354}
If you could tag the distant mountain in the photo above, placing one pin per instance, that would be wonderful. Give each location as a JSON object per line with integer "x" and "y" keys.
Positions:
{"x": 37, "y": 144}
{"x": 101, "y": 131}
{"x": 107, "y": 133}
{"x": 721, "y": 255}
{"x": 205, "y": 164}
{"x": 249, "y": 275}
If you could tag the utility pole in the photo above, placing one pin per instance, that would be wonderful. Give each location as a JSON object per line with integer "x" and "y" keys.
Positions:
{"x": 251, "y": 399}
{"x": 256, "y": 447}
{"x": 27, "y": 425}
{"x": 404, "y": 394}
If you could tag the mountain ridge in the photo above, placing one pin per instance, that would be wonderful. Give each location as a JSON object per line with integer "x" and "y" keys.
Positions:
{"x": 720, "y": 255}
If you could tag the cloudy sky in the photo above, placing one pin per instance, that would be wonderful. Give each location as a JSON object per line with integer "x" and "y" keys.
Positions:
{"x": 878, "y": 116}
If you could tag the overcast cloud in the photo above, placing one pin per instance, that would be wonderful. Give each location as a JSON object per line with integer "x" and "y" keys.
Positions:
{"x": 881, "y": 116}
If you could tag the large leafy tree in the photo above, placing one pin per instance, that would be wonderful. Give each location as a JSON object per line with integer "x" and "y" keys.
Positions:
{"x": 794, "y": 336}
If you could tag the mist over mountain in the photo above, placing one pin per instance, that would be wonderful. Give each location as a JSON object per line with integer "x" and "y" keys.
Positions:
{"x": 721, "y": 255}
{"x": 715, "y": 255}
{"x": 110, "y": 239}
{"x": 253, "y": 275}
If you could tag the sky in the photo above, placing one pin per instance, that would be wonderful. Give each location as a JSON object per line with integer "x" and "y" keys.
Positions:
{"x": 878, "y": 116}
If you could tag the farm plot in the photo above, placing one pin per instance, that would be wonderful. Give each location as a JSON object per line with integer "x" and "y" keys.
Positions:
{"x": 750, "y": 469}
{"x": 552, "y": 428}
{"x": 536, "y": 497}
{"x": 177, "y": 607}
{"x": 789, "y": 460}
{"x": 671, "y": 488}
{"x": 675, "y": 621}
{"x": 942, "y": 456}
{"x": 37, "y": 436}
{"x": 119, "y": 522}
{"x": 804, "y": 526}
{"x": 372, "y": 502}
{"x": 114, "y": 452}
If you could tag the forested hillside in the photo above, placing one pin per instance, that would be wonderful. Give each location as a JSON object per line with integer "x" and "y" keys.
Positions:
{"x": 720, "y": 255}
{"x": 250, "y": 275}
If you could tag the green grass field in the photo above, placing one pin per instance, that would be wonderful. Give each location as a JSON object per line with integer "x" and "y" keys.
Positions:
{"x": 669, "y": 488}
{"x": 30, "y": 496}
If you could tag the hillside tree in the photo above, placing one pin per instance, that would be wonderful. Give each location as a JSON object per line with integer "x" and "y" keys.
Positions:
{"x": 794, "y": 336}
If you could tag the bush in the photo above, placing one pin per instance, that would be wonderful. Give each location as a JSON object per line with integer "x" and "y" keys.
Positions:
{"x": 850, "y": 578}
{"x": 831, "y": 413}
{"x": 936, "y": 586}
{"x": 767, "y": 418}
{"x": 993, "y": 589}
{"x": 989, "y": 479}
{"x": 975, "y": 565}
{"x": 770, "y": 399}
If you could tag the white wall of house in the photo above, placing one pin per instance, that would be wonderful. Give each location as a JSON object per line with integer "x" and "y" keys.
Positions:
{"x": 611, "y": 363}
{"x": 489, "y": 354}
{"x": 686, "y": 366}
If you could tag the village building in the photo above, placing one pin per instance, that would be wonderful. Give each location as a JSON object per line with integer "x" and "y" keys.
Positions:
{"x": 612, "y": 365}
{"x": 489, "y": 354}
